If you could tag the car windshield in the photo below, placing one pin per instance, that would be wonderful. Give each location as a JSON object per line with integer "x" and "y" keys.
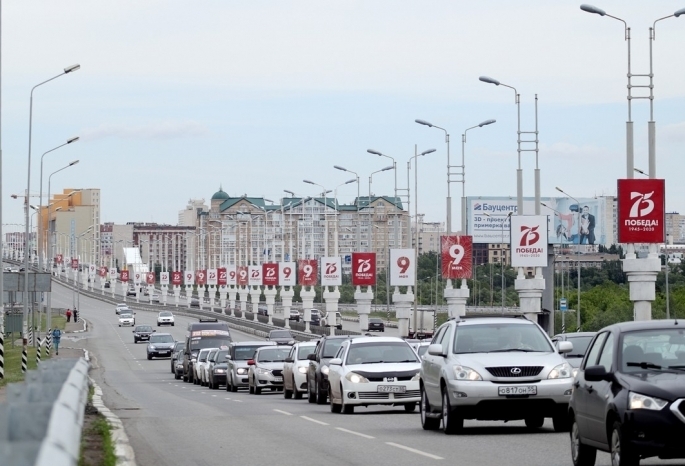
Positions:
{"x": 653, "y": 349}
{"x": 143, "y": 328}
{"x": 422, "y": 350}
{"x": 273, "y": 354}
{"x": 280, "y": 334}
{"x": 179, "y": 346}
{"x": 580, "y": 345}
{"x": 197, "y": 343}
{"x": 221, "y": 356}
{"x": 243, "y": 353}
{"x": 331, "y": 347}
{"x": 304, "y": 351}
{"x": 126, "y": 315}
{"x": 165, "y": 314}
{"x": 381, "y": 352}
{"x": 500, "y": 338}
{"x": 375, "y": 320}
{"x": 161, "y": 339}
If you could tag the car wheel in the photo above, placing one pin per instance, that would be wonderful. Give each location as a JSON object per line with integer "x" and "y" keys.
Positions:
{"x": 345, "y": 408}
{"x": 335, "y": 408}
{"x": 287, "y": 394}
{"x": 561, "y": 421}
{"x": 410, "y": 407}
{"x": 172, "y": 325}
{"x": 428, "y": 423}
{"x": 250, "y": 389}
{"x": 451, "y": 423}
{"x": 311, "y": 396}
{"x": 581, "y": 455}
{"x": 257, "y": 390}
{"x": 234, "y": 388}
{"x": 321, "y": 397}
{"x": 621, "y": 452}
{"x": 185, "y": 378}
{"x": 228, "y": 383}
{"x": 177, "y": 375}
{"x": 149, "y": 357}
{"x": 535, "y": 422}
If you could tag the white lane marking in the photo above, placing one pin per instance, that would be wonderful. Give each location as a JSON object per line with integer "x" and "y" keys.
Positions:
{"x": 283, "y": 412}
{"x": 214, "y": 395}
{"x": 413, "y": 450}
{"x": 354, "y": 433}
{"x": 227, "y": 398}
{"x": 314, "y": 420}
{"x": 237, "y": 401}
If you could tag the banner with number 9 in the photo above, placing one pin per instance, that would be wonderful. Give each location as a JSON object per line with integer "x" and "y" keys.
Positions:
{"x": 307, "y": 272}
{"x": 457, "y": 256}
{"x": 286, "y": 274}
{"x": 402, "y": 267}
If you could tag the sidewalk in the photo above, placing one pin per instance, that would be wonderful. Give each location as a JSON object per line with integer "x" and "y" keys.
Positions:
{"x": 75, "y": 327}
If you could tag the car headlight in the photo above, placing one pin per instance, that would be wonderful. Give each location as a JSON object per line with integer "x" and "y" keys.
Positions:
{"x": 241, "y": 371}
{"x": 416, "y": 377}
{"x": 356, "y": 378}
{"x": 637, "y": 401}
{"x": 324, "y": 370}
{"x": 179, "y": 366}
{"x": 466, "y": 373}
{"x": 219, "y": 371}
{"x": 263, "y": 371}
{"x": 153, "y": 347}
{"x": 562, "y": 371}
{"x": 291, "y": 342}
{"x": 302, "y": 370}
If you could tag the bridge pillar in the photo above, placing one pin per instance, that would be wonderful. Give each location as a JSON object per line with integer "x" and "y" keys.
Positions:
{"x": 363, "y": 299}
{"x": 287, "y": 294}
{"x": 270, "y": 293}
{"x": 232, "y": 291}
{"x": 530, "y": 293}
{"x": 307, "y": 304}
{"x": 456, "y": 299}
{"x": 332, "y": 298}
{"x": 642, "y": 275}
{"x": 403, "y": 303}
{"x": 255, "y": 292}
{"x": 243, "y": 300}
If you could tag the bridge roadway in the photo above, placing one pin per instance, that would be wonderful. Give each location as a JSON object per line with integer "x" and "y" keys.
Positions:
{"x": 171, "y": 422}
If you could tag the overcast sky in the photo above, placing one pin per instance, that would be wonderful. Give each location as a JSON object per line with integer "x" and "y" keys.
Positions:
{"x": 176, "y": 98}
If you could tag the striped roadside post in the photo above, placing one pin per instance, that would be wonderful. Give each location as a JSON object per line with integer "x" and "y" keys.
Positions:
{"x": 2, "y": 349}
{"x": 38, "y": 351}
{"x": 48, "y": 342}
{"x": 24, "y": 358}
{"x": 30, "y": 342}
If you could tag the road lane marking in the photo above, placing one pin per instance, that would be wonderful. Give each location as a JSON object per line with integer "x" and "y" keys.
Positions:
{"x": 413, "y": 450}
{"x": 283, "y": 412}
{"x": 354, "y": 433}
{"x": 314, "y": 420}
{"x": 227, "y": 398}
{"x": 237, "y": 401}
{"x": 214, "y": 395}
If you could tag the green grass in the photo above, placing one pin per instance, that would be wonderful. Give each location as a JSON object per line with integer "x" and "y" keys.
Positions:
{"x": 101, "y": 428}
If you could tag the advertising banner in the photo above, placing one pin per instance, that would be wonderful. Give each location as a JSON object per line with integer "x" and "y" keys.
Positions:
{"x": 137, "y": 277}
{"x": 286, "y": 274}
{"x": 113, "y": 274}
{"x": 456, "y": 256}
{"x": 102, "y": 271}
{"x": 270, "y": 274}
{"x": 59, "y": 258}
{"x": 74, "y": 263}
{"x": 91, "y": 270}
{"x": 402, "y": 267}
{"x": 222, "y": 276}
{"x": 150, "y": 278}
{"x": 243, "y": 276}
{"x": 124, "y": 276}
{"x": 255, "y": 278}
{"x": 307, "y": 272}
{"x": 201, "y": 277}
{"x": 176, "y": 278}
{"x": 331, "y": 271}
{"x": 364, "y": 268}
{"x": 231, "y": 275}
{"x": 529, "y": 240}
{"x": 212, "y": 277}
{"x": 164, "y": 278}
{"x": 189, "y": 277}
{"x": 641, "y": 211}
{"x": 583, "y": 221}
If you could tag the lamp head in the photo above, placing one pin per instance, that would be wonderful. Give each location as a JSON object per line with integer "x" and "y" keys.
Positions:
{"x": 559, "y": 189}
{"x": 338, "y": 167}
{"x": 73, "y": 163}
{"x": 353, "y": 180}
{"x": 387, "y": 168}
{"x": 423, "y": 122}
{"x": 425, "y": 152}
{"x": 289, "y": 192}
{"x": 679, "y": 12}
{"x": 308, "y": 182}
{"x": 374, "y": 152}
{"x": 592, "y": 9}
{"x": 69, "y": 141}
{"x": 487, "y": 122}
{"x": 71, "y": 68}
{"x": 489, "y": 80}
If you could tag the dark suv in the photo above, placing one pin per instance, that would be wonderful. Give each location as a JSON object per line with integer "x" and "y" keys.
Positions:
{"x": 142, "y": 332}
{"x": 317, "y": 373}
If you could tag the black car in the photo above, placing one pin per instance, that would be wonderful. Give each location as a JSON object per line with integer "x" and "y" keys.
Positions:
{"x": 217, "y": 370}
{"x": 142, "y": 332}
{"x": 629, "y": 394}
{"x": 376, "y": 325}
{"x": 174, "y": 355}
{"x": 262, "y": 310}
{"x": 281, "y": 337}
{"x": 580, "y": 340}
{"x": 317, "y": 372}
{"x": 315, "y": 317}
{"x": 107, "y": 284}
{"x": 160, "y": 345}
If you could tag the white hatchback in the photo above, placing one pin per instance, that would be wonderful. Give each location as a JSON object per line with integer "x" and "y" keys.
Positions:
{"x": 127, "y": 319}
{"x": 165, "y": 318}
{"x": 295, "y": 369}
{"x": 374, "y": 371}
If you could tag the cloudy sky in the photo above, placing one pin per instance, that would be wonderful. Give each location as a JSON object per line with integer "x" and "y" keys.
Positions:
{"x": 176, "y": 98}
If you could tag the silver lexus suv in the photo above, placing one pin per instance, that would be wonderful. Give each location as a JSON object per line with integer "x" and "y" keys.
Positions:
{"x": 494, "y": 368}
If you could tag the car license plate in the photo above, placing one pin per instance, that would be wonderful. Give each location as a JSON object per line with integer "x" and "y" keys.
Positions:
{"x": 392, "y": 389}
{"x": 278, "y": 379}
{"x": 518, "y": 390}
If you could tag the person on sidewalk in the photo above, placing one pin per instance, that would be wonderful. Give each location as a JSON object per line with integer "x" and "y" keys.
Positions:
{"x": 68, "y": 314}
{"x": 75, "y": 315}
{"x": 56, "y": 337}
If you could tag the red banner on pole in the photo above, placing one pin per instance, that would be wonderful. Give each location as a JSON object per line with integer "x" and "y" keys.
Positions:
{"x": 176, "y": 278}
{"x": 457, "y": 256}
{"x": 270, "y": 274}
{"x": 364, "y": 268}
{"x": 641, "y": 211}
{"x": 74, "y": 263}
{"x": 200, "y": 277}
{"x": 150, "y": 278}
{"x": 222, "y": 278}
{"x": 103, "y": 272}
{"x": 243, "y": 276}
{"x": 307, "y": 272}
{"x": 123, "y": 276}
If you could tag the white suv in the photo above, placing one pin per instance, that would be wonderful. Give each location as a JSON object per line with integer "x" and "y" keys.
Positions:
{"x": 494, "y": 369}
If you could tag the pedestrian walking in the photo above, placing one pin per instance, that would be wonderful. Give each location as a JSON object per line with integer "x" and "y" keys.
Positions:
{"x": 68, "y": 314}
{"x": 75, "y": 315}
{"x": 56, "y": 337}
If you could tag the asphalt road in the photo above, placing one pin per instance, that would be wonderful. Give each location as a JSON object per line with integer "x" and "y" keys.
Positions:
{"x": 171, "y": 422}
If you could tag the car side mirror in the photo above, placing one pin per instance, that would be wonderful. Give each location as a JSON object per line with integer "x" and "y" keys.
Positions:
{"x": 311, "y": 357}
{"x": 597, "y": 374}
{"x": 133, "y": 331}
{"x": 335, "y": 362}
{"x": 436, "y": 350}
{"x": 564, "y": 347}
{"x": 289, "y": 360}
{"x": 267, "y": 338}
{"x": 250, "y": 362}
{"x": 154, "y": 330}
{"x": 227, "y": 357}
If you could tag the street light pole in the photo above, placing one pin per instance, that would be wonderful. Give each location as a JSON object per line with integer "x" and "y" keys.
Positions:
{"x": 359, "y": 220}
{"x": 371, "y": 235}
{"x": 449, "y": 195}
{"x": 502, "y": 261}
{"x": 577, "y": 256}
{"x": 396, "y": 227}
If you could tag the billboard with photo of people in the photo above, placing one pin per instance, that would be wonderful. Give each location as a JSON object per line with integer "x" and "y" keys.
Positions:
{"x": 571, "y": 221}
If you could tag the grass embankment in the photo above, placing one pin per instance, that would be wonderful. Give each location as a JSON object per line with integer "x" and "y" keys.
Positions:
{"x": 97, "y": 447}
{"x": 13, "y": 355}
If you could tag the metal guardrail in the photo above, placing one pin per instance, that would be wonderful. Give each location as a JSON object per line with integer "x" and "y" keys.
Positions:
{"x": 42, "y": 418}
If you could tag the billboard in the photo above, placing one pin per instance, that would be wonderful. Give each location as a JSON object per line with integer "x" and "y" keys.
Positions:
{"x": 150, "y": 278}
{"x": 176, "y": 278}
{"x": 331, "y": 271}
{"x": 164, "y": 278}
{"x": 363, "y": 268}
{"x": 189, "y": 277}
{"x": 402, "y": 267}
{"x": 201, "y": 277}
{"x": 123, "y": 276}
{"x": 307, "y": 272}
{"x": 572, "y": 221}
{"x": 102, "y": 271}
{"x": 231, "y": 275}
{"x": 456, "y": 256}
{"x": 286, "y": 274}
{"x": 641, "y": 210}
{"x": 270, "y": 274}
{"x": 212, "y": 277}
{"x": 529, "y": 241}
{"x": 255, "y": 275}
{"x": 222, "y": 276}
